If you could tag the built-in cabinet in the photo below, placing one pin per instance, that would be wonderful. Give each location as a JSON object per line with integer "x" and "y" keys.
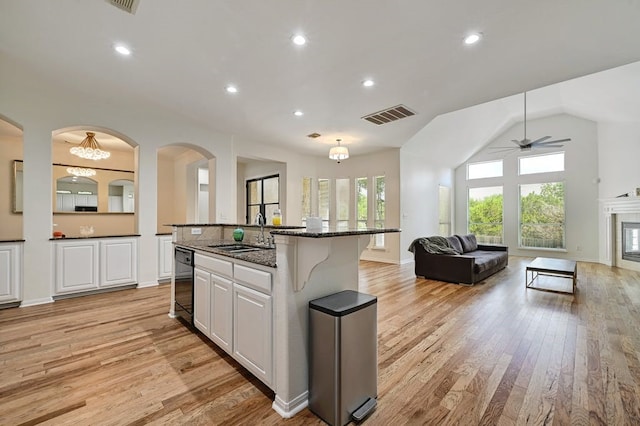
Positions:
{"x": 10, "y": 273}
{"x": 233, "y": 307}
{"x": 165, "y": 257}
{"x": 92, "y": 264}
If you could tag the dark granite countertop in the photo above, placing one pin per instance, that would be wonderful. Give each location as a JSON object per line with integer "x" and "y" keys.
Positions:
{"x": 94, "y": 237}
{"x": 12, "y": 241}
{"x": 236, "y": 225}
{"x": 265, "y": 257}
{"x": 333, "y": 233}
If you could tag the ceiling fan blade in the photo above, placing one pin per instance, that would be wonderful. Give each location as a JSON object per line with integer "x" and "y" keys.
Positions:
{"x": 542, "y": 139}
{"x": 548, "y": 146}
{"x": 555, "y": 141}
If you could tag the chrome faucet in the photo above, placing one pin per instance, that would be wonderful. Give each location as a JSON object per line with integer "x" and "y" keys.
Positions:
{"x": 260, "y": 221}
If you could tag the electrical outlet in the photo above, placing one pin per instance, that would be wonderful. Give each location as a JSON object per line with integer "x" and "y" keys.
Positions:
{"x": 196, "y": 231}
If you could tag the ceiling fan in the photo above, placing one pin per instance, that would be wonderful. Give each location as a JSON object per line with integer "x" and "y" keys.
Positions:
{"x": 526, "y": 144}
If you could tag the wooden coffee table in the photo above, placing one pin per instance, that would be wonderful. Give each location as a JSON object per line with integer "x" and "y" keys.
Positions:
{"x": 553, "y": 267}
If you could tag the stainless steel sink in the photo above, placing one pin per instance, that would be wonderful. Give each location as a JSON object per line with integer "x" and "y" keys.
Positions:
{"x": 237, "y": 248}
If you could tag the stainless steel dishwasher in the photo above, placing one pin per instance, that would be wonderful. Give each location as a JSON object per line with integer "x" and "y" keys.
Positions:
{"x": 183, "y": 307}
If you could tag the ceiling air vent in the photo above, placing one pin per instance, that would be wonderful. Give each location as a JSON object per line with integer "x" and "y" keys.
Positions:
{"x": 390, "y": 114}
{"x": 126, "y": 5}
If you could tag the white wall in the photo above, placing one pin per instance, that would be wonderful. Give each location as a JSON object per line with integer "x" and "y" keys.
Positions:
{"x": 580, "y": 177}
{"x": 421, "y": 177}
{"x": 619, "y": 158}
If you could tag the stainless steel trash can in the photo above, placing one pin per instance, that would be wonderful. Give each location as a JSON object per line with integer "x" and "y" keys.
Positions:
{"x": 343, "y": 348}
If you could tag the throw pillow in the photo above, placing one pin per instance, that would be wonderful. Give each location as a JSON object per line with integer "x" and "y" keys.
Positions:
{"x": 455, "y": 243}
{"x": 468, "y": 242}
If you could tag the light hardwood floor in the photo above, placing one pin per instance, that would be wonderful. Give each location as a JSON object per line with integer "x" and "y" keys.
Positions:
{"x": 494, "y": 353}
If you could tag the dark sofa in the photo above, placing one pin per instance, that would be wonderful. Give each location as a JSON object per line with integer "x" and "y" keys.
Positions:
{"x": 457, "y": 259}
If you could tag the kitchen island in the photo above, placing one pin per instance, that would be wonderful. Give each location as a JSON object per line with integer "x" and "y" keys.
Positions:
{"x": 308, "y": 265}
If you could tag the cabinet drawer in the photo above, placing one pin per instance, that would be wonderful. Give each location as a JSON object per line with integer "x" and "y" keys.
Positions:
{"x": 259, "y": 280}
{"x": 213, "y": 264}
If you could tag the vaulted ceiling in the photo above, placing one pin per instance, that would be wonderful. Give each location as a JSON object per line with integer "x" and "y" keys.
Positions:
{"x": 184, "y": 54}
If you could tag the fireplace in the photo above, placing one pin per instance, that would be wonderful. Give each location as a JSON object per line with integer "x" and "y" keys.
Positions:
{"x": 631, "y": 241}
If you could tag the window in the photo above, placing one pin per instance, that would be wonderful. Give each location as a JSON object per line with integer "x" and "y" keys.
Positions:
{"x": 361, "y": 203}
{"x": 306, "y": 199}
{"x": 263, "y": 196}
{"x": 485, "y": 214}
{"x": 342, "y": 204}
{"x": 379, "y": 209}
{"x": 444, "y": 210}
{"x": 485, "y": 169}
{"x": 542, "y": 215}
{"x": 323, "y": 202}
{"x": 544, "y": 163}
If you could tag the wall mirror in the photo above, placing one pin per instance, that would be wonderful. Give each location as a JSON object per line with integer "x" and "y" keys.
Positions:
{"x": 76, "y": 194}
{"x": 121, "y": 196}
{"x": 17, "y": 186}
{"x": 101, "y": 191}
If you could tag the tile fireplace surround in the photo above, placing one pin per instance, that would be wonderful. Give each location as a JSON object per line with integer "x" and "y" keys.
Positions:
{"x": 616, "y": 211}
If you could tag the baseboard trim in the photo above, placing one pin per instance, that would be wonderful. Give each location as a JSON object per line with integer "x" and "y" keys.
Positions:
{"x": 291, "y": 408}
{"x": 35, "y": 302}
{"x": 148, "y": 284}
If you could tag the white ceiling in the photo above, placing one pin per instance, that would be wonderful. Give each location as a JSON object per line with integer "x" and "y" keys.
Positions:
{"x": 186, "y": 52}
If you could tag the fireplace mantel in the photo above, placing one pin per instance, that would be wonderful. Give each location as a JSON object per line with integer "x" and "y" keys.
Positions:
{"x": 612, "y": 210}
{"x": 621, "y": 205}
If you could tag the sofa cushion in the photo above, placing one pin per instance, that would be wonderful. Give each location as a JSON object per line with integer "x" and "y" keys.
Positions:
{"x": 488, "y": 260}
{"x": 455, "y": 243}
{"x": 468, "y": 242}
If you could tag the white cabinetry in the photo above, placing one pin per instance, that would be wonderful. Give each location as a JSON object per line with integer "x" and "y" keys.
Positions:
{"x": 76, "y": 265}
{"x": 91, "y": 264}
{"x": 252, "y": 336}
{"x": 165, "y": 257}
{"x": 222, "y": 312}
{"x": 10, "y": 272}
{"x": 233, "y": 307}
{"x": 201, "y": 300}
{"x": 118, "y": 262}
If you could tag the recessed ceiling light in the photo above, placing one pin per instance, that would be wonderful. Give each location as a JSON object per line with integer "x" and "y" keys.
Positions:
{"x": 298, "y": 113}
{"x": 472, "y": 38}
{"x": 299, "y": 39}
{"x": 368, "y": 83}
{"x": 231, "y": 89}
{"x": 123, "y": 50}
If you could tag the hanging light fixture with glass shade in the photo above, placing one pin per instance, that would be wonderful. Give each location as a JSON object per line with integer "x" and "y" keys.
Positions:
{"x": 339, "y": 153}
{"x": 81, "y": 171}
{"x": 90, "y": 149}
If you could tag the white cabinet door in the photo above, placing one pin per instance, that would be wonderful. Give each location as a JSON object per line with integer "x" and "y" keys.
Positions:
{"x": 10, "y": 272}
{"x": 76, "y": 266}
{"x": 165, "y": 257}
{"x": 201, "y": 300}
{"x": 222, "y": 312}
{"x": 252, "y": 335}
{"x": 118, "y": 262}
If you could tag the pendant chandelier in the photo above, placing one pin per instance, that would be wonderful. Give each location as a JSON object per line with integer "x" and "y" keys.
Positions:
{"x": 339, "y": 153}
{"x": 81, "y": 171}
{"x": 90, "y": 149}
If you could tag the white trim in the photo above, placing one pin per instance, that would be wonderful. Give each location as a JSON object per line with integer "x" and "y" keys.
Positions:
{"x": 148, "y": 284}
{"x": 34, "y": 302}
{"x": 291, "y": 408}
